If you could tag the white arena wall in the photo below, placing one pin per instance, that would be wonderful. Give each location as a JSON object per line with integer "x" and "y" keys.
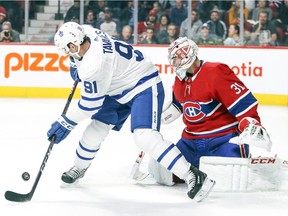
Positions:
{"x": 38, "y": 71}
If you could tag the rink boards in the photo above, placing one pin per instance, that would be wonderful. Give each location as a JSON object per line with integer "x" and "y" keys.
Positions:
{"x": 37, "y": 71}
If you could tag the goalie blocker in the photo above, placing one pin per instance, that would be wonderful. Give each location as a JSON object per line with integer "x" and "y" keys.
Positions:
{"x": 235, "y": 174}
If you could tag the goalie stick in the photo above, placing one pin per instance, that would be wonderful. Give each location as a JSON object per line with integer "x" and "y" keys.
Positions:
{"x": 136, "y": 174}
{"x": 17, "y": 197}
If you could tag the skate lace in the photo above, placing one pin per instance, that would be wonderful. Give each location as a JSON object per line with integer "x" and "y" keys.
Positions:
{"x": 191, "y": 181}
{"x": 74, "y": 172}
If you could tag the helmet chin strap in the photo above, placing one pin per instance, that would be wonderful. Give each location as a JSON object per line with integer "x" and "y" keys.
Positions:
{"x": 76, "y": 54}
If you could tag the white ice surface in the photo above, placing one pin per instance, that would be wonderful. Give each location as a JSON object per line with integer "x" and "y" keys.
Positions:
{"x": 106, "y": 189}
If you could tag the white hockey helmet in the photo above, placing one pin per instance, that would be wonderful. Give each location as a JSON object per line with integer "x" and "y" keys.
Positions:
{"x": 181, "y": 55}
{"x": 70, "y": 32}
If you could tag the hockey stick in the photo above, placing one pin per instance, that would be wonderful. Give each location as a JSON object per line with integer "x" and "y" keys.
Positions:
{"x": 136, "y": 174}
{"x": 17, "y": 197}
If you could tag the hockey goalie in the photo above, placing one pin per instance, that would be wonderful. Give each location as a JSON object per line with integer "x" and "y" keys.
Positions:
{"x": 221, "y": 125}
{"x": 232, "y": 174}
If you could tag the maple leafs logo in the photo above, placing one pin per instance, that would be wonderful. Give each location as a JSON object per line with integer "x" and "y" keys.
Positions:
{"x": 61, "y": 33}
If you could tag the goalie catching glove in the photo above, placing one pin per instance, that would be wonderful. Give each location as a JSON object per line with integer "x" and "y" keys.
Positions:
{"x": 61, "y": 129}
{"x": 252, "y": 133}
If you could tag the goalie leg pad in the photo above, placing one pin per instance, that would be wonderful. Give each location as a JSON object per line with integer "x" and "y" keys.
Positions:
{"x": 283, "y": 176}
{"x": 246, "y": 174}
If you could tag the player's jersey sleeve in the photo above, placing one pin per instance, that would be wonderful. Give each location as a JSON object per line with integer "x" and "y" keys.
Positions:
{"x": 228, "y": 89}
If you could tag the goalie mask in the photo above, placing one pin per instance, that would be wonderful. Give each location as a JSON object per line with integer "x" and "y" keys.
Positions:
{"x": 181, "y": 55}
{"x": 69, "y": 32}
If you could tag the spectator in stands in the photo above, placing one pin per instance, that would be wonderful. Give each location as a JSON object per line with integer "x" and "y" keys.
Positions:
{"x": 234, "y": 13}
{"x": 196, "y": 24}
{"x": 74, "y": 11}
{"x": 150, "y": 36}
{"x": 127, "y": 15}
{"x": 207, "y": 38}
{"x": 14, "y": 13}
{"x": 216, "y": 25}
{"x": 167, "y": 4}
{"x": 163, "y": 26}
{"x": 144, "y": 9}
{"x": 3, "y": 16}
{"x": 75, "y": 19}
{"x": 51, "y": 38}
{"x": 178, "y": 13}
{"x": 150, "y": 21}
{"x": 233, "y": 38}
{"x": 261, "y": 6}
{"x": 224, "y": 6}
{"x": 90, "y": 19}
{"x": 109, "y": 24}
{"x": 265, "y": 30}
{"x": 283, "y": 16}
{"x": 203, "y": 8}
{"x": 8, "y": 34}
{"x": 126, "y": 34}
{"x": 253, "y": 39}
{"x": 280, "y": 29}
{"x": 171, "y": 35}
{"x": 97, "y": 7}
{"x": 157, "y": 8}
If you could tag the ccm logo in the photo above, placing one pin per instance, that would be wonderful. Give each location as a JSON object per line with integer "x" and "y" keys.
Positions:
{"x": 49, "y": 62}
{"x": 263, "y": 160}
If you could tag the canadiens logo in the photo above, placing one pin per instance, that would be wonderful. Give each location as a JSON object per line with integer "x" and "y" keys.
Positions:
{"x": 192, "y": 111}
{"x": 182, "y": 52}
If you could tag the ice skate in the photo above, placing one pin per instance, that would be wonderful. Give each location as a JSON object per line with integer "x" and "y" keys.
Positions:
{"x": 73, "y": 175}
{"x": 199, "y": 184}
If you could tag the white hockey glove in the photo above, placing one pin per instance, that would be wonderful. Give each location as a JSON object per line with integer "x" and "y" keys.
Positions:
{"x": 253, "y": 134}
{"x": 170, "y": 114}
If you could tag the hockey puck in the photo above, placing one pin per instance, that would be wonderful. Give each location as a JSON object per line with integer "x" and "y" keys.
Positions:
{"x": 25, "y": 176}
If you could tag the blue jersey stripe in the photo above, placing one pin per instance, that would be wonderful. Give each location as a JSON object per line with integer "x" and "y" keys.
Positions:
{"x": 243, "y": 104}
{"x": 215, "y": 131}
{"x": 92, "y": 99}
{"x": 210, "y": 107}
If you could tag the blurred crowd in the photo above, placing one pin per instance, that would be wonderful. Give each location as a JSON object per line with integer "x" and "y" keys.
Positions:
{"x": 161, "y": 22}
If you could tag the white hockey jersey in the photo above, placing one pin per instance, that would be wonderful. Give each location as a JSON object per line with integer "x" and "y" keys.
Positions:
{"x": 110, "y": 67}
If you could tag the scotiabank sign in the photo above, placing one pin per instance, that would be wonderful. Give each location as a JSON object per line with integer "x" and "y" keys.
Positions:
{"x": 264, "y": 71}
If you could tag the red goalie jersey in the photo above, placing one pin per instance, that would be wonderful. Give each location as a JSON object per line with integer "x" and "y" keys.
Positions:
{"x": 213, "y": 101}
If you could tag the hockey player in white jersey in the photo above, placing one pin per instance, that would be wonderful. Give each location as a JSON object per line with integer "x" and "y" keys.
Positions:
{"x": 116, "y": 81}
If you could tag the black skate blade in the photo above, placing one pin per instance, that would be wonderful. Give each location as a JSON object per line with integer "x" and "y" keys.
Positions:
{"x": 16, "y": 197}
{"x": 203, "y": 193}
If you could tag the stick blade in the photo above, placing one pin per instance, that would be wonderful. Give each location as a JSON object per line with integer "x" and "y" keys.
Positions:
{"x": 16, "y": 197}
